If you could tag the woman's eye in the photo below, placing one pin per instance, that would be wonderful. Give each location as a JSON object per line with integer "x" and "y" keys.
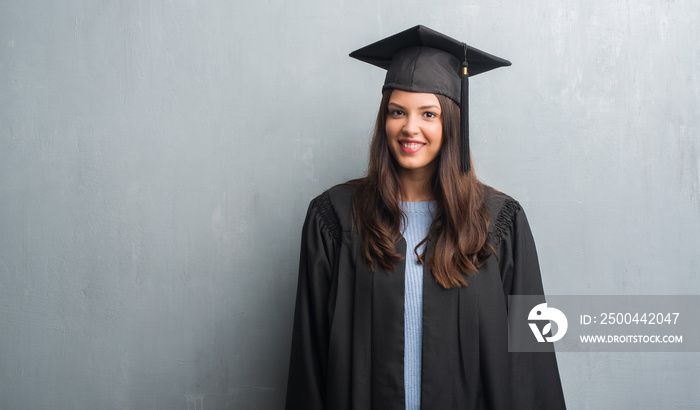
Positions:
{"x": 430, "y": 115}
{"x": 395, "y": 113}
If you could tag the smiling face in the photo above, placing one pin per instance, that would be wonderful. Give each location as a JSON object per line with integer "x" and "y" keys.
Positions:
{"x": 414, "y": 131}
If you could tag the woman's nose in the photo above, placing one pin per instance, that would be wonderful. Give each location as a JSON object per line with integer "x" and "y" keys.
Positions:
{"x": 411, "y": 125}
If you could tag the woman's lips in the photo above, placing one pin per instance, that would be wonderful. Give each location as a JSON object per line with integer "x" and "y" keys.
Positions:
{"x": 410, "y": 146}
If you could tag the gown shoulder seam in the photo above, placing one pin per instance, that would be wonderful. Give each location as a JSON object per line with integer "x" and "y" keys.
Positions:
{"x": 505, "y": 218}
{"x": 325, "y": 209}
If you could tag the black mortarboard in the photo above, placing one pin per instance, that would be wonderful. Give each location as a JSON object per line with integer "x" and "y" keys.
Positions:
{"x": 422, "y": 60}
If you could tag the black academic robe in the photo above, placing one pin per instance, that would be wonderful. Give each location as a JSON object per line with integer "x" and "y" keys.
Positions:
{"x": 348, "y": 335}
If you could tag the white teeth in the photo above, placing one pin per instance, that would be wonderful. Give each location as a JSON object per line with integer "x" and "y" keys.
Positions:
{"x": 411, "y": 145}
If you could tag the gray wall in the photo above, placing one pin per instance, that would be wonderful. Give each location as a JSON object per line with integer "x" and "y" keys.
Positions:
{"x": 157, "y": 158}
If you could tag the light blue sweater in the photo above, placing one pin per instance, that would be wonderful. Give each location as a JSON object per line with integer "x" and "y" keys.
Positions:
{"x": 418, "y": 218}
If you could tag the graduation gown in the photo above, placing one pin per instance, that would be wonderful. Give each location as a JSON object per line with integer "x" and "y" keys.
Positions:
{"x": 348, "y": 334}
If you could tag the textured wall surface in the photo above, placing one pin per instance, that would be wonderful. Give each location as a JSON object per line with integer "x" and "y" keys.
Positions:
{"x": 157, "y": 158}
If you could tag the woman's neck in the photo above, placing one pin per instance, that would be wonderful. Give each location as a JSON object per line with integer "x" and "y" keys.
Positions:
{"x": 415, "y": 185}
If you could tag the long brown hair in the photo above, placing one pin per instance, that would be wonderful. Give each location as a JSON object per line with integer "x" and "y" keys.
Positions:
{"x": 458, "y": 232}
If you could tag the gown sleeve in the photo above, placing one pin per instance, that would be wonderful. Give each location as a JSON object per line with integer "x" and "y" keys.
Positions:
{"x": 535, "y": 381}
{"x": 306, "y": 387}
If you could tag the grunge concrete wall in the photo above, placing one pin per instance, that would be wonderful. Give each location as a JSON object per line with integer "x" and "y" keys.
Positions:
{"x": 157, "y": 158}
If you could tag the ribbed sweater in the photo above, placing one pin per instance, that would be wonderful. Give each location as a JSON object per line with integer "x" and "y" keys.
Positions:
{"x": 417, "y": 223}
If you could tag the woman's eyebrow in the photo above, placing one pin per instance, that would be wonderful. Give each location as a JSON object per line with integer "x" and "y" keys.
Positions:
{"x": 425, "y": 107}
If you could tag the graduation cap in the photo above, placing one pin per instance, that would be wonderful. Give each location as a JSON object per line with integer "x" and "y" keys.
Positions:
{"x": 422, "y": 60}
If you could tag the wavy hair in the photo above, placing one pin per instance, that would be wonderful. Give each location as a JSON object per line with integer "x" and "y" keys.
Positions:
{"x": 458, "y": 234}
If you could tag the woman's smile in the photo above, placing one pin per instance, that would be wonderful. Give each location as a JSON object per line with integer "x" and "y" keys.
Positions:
{"x": 410, "y": 146}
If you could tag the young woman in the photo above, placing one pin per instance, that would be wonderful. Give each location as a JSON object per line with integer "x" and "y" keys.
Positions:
{"x": 405, "y": 274}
